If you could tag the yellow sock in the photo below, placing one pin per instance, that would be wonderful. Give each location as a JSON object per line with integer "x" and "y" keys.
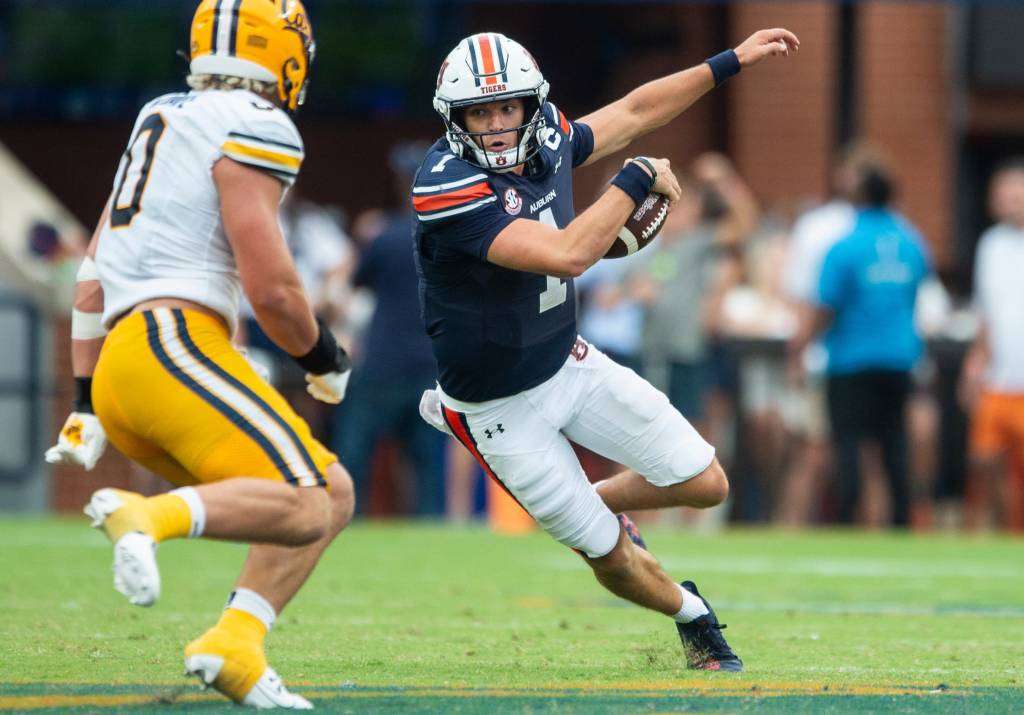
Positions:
{"x": 238, "y": 639}
{"x": 241, "y": 625}
{"x": 169, "y": 516}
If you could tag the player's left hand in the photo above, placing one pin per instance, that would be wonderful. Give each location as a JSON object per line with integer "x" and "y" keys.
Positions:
{"x": 766, "y": 43}
{"x": 81, "y": 442}
{"x": 329, "y": 387}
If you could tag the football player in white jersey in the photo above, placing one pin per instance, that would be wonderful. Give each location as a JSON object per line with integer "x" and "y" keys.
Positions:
{"x": 190, "y": 223}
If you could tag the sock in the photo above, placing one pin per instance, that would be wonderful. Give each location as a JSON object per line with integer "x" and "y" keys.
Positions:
{"x": 197, "y": 509}
{"x": 169, "y": 515}
{"x": 250, "y": 603}
{"x": 242, "y": 626}
{"x": 692, "y": 609}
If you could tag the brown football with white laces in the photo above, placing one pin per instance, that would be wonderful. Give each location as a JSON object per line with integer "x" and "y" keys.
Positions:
{"x": 641, "y": 226}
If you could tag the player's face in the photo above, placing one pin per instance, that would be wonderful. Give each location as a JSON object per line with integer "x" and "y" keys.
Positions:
{"x": 492, "y": 118}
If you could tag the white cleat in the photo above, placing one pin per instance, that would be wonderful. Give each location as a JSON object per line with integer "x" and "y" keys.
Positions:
{"x": 135, "y": 571}
{"x": 205, "y": 667}
{"x": 268, "y": 692}
{"x": 103, "y": 503}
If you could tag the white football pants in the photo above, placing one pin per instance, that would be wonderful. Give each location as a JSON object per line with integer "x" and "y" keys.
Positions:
{"x": 522, "y": 441}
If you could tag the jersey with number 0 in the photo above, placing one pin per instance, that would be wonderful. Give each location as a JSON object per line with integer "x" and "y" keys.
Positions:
{"x": 495, "y": 331}
{"x": 164, "y": 237}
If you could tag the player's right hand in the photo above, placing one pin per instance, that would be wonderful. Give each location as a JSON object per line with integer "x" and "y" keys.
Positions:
{"x": 665, "y": 181}
{"x": 329, "y": 387}
{"x": 81, "y": 442}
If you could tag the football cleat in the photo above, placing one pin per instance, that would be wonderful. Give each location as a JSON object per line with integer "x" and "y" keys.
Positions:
{"x": 703, "y": 642}
{"x": 632, "y": 531}
{"x": 239, "y": 670}
{"x": 117, "y": 513}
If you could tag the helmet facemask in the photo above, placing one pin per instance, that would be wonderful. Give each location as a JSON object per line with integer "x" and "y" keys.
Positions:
{"x": 527, "y": 137}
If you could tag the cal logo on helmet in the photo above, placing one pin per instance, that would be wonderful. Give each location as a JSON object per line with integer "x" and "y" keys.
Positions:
{"x": 265, "y": 40}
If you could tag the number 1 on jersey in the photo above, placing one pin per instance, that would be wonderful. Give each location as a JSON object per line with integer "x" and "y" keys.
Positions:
{"x": 556, "y": 290}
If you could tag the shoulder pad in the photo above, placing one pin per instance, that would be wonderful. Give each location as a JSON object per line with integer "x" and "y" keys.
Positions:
{"x": 557, "y": 119}
{"x": 446, "y": 186}
{"x": 441, "y": 166}
{"x": 261, "y": 135}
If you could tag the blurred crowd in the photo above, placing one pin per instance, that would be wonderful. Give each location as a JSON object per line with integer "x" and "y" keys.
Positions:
{"x": 816, "y": 347}
{"x": 820, "y": 352}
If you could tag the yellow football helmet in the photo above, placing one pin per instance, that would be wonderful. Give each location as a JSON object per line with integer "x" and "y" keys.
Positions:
{"x": 265, "y": 40}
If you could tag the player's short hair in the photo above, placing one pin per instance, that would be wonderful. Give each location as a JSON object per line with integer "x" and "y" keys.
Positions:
{"x": 201, "y": 82}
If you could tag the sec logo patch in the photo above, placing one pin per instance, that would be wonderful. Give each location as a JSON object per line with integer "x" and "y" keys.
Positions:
{"x": 513, "y": 202}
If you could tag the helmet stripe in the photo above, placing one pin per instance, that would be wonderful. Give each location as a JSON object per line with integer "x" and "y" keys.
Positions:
{"x": 216, "y": 27}
{"x": 488, "y": 58}
{"x": 233, "y": 31}
{"x": 499, "y": 54}
{"x": 474, "y": 65}
{"x": 225, "y": 27}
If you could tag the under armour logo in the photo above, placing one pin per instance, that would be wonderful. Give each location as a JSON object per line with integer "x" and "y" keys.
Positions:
{"x": 497, "y": 428}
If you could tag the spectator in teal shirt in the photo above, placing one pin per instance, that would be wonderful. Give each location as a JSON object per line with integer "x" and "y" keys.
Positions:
{"x": 867, "y": 291}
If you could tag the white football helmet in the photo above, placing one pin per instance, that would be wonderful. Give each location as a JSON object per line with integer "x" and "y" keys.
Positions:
{"x": 488, "y": 67}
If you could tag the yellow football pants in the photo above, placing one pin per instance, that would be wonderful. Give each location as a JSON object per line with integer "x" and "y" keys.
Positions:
{"x": 174, "y": 395}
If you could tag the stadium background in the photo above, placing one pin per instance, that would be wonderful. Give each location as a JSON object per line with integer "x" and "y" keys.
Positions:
{"x": 423, "y": 617}
{"x": 938, "y": 85}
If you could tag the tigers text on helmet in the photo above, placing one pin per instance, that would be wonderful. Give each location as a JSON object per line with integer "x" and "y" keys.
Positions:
{"x": 265, "y": 40}
{"x": 489, "y": 67}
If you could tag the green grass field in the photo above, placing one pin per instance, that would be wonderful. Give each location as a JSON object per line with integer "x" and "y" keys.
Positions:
{"x": 415, "y": 618}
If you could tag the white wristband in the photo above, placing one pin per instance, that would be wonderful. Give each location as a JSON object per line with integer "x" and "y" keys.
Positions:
{"x": 86, "y": 326}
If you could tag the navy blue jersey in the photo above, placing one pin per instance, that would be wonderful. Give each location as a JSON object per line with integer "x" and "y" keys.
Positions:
{"x": 494, "y": 331}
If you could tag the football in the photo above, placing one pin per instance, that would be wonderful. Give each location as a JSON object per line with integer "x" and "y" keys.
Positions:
{"x": 641, "y": 226}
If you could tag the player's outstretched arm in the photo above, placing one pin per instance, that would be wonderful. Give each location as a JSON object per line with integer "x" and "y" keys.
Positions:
{"x": 658, "y": 102}
{"x": 81, "y": 441}
{"x": 534, "y": 246}
{"x": 249, "y": 201}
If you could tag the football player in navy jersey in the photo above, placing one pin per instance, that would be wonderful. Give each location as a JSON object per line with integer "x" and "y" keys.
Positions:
{"x": 497, "y": 245}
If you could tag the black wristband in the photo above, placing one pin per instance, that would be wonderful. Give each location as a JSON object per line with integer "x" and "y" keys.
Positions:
{"x": 325, "y": 356}
{"x": 723, "y": 66}
{"x": 83, "y": 395}
{"x": 634, "y": 181}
